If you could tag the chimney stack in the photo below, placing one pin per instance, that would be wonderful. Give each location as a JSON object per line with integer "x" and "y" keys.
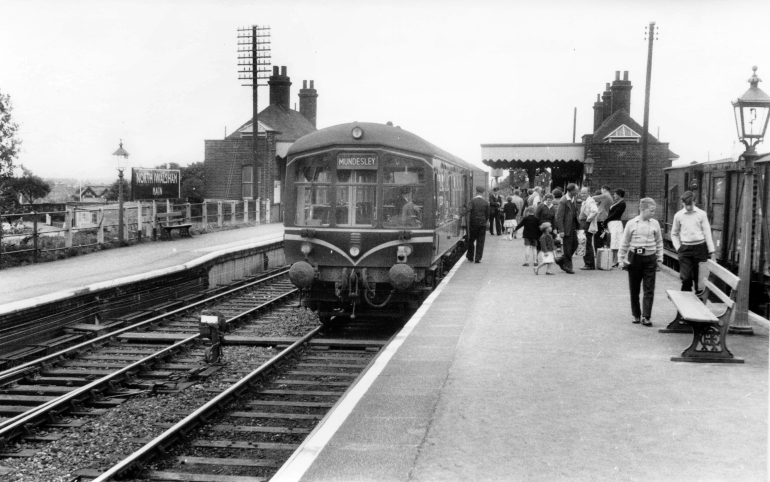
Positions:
{"x": 621, "y": 93}
{"x": 598, "y": 112}
{"x": 280, "y": 88}
{"x": 307, "y": 102}
{"x": 606, "y": 102}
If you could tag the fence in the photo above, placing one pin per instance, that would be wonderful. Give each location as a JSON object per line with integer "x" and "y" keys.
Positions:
{"x": 45, "y": 236}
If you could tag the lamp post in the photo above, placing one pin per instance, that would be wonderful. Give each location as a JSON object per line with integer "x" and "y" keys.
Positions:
{"x": 751, "y": 116}
{"x": 122, "y": 159}
{"x": 588, "y": 168}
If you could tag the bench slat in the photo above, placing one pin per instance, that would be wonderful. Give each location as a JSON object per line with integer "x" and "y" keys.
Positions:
{"x": 720, "y": 294}
{"x": 723, "y": 274}
{"x": 690, "y": 307}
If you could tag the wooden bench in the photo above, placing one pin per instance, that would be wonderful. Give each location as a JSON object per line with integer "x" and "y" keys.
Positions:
{"x": 709, "y": 342}
{"x": 168, "y": 222}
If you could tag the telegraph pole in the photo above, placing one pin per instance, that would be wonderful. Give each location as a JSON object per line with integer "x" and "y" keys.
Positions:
{"x": 651, "y": 34}
{"x": 254, "y": 64}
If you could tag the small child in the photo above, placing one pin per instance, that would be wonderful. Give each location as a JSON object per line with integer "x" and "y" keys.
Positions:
{"x": 548, "y": 247}
{"x": 510, "y": 211}
{"x": 531, "y": 227}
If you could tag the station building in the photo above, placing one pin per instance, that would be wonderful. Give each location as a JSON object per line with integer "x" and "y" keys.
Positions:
{"x": 231, "y": 173}
{"x": 615, "y": 145}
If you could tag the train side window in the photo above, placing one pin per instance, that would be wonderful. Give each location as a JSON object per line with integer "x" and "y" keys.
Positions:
{"x": 313, "y": 184}
{"x": 403, "y": 206}
{"x": 356, "y": 198}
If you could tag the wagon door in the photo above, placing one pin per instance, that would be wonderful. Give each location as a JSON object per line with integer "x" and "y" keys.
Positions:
{"x": 717, "y": 197}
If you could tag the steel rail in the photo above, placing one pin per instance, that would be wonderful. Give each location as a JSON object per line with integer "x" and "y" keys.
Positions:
{"x": 7, "y": 427}
{"x": 165, "y": 439}
{"x": 55, "y": 356}
{"x": 11, "y": 428}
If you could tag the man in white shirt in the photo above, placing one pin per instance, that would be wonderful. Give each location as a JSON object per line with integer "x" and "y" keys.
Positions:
{"x": 691, "y": 235}
{"x": 587, "y": 220}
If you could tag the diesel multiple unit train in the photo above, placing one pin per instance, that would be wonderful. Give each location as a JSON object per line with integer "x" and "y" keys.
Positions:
{"x": 373, "y": 217}
{"x": 718, "y": 187}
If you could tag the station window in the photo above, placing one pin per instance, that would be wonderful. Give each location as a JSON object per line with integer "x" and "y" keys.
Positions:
{"x": 247, "y": 176}
{"x": 356, "y": 198}
{"x": 313, "y": 184}
{"x": 404, "y": 192}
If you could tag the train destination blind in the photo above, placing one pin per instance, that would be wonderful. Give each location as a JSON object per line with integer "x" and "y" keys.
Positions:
{"x": 356, "y": 161}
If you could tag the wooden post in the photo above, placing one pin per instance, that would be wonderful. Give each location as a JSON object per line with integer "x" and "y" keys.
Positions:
{"x": 139, "y": 220}
{"x": 232, "y": 212}
{"x": 187, "y": 213}
{"x": 68, "y": 228}
{"x": 168, "y": 205}
{"x": 245, "y": 211}
{"x": 220, "y": 214}
{"x": 34, "y": 237}
{"x": 267, "y": 211}
{"x": 257, "y": 210}
{"x": 205, "y": 215}
{"x": 154, "y": 219}
{"x": 100, "y": 229}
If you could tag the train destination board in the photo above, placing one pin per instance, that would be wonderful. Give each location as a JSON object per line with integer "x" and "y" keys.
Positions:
{"x": 356, "y": 161}
{"x": 155, "y": 183}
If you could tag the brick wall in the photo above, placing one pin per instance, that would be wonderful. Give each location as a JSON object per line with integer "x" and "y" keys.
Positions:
{"x": 223, "y": 164}
{"x": 619, "y": 165}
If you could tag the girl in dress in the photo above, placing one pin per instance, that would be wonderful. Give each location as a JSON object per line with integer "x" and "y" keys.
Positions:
{"x": 531, "y": 232}
{"x": 510, "y": 210}
{"x": 548, "y": 248}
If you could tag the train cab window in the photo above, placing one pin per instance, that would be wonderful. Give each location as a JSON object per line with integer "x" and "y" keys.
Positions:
{"x": 313, "y": 184}
{"x": 356, "y": 198}
{"x": 404, "y": 193}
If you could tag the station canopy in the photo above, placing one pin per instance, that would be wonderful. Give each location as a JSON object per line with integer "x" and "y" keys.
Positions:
{"x": 527, "y": 156}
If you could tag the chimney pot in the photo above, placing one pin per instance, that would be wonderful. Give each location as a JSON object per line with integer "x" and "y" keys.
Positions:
{"x": 307, "y": 102}
{"x": 311, "y": 84}
{"x": 275, "y": 70}
{"x": 280, "y": 89}
{"x": 283, "y": 71}
{"x": 304, "y": 84}
{"x": 625, "y": 75}
{"x": 617, "y": 75}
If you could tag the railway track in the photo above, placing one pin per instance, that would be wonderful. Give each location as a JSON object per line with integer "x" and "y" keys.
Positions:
{"x": 156, "y": 355}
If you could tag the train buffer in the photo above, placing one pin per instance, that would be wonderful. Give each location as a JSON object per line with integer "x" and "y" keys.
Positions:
{"x": 709, "y": 343}
{"x": 168, "y": 222}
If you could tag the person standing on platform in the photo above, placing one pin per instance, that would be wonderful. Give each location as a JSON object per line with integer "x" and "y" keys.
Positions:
{"x": 511, "y": 212}
{"x": 495, "y": 203}
{"x": 691, "y": 235}
{"x": 615, "y": 224}
{"x": 567, "y": 223}
{"x": 519, "y": 202}
{"x": 546, "y": 211}
{"x": 530, "y": 234}
{"x": 535, "y": 198}
{"x": 548, "y": 247}
{"x": 478, "y": 214}
{"x": 603, "y": 202}
{"x": 589, "y": 211}
{"x": 641, "y": 252}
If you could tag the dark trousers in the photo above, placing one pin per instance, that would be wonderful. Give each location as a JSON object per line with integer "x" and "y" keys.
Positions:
{"x": 589, "y": 258}
{"x": 600, "y": 242}
{"x": 569, "y": 245}
{"x": 476, "y": 236}
{"x": 641, "y": 273}
{"x": 689, "y": 257}
{"x": 494, "y": 221}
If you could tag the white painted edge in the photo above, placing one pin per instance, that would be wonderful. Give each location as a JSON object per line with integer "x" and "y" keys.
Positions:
{"x": 305, "y": 455}
{"x": 64, "y": 294}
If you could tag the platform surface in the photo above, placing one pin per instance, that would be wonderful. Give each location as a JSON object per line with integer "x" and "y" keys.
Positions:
{"x": 508, "y": 376}
{"x": 35, "y": 280}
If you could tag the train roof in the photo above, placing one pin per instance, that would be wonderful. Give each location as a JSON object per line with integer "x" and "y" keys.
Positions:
{"x": 375, "y": 135}
{"x": 716, "y": 164}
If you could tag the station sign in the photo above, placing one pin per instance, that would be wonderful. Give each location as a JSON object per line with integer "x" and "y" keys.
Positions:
{"x": 155, "y": 183}
{"x": 348, "y": 160}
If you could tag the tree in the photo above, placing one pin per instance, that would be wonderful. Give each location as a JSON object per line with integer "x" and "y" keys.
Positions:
{"x": 30, "y": 186}
{"x": 193, "y": 183}
{"x": 112, "y": 193}
{"x": 9, "y": 150}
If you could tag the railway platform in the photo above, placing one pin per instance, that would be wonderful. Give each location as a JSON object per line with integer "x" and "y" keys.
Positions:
{"x": 507, "y": 376}
{"x": 26, "y": 286}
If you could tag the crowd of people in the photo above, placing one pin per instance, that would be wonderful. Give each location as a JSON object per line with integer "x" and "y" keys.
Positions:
{"x": 558, "y": 226}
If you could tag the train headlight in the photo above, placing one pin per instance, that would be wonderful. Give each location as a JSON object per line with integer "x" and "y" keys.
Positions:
{"x": 301, "y": 274}
{"x": 355, "y": 250}
{"x": 408, "y": 249}
{"x": 357, "y": 133}
{"x": 306, "y": 248}
{"x": 403, "y": 253}
{"x": 401, "y": 276}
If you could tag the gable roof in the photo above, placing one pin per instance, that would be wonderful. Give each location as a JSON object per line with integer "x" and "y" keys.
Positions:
{"x": 290, "y": 124}
{"x": 623, "y": 132}
{"x": 619, "y": 118}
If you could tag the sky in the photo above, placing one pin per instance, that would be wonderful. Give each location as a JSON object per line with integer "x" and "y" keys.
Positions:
{"x": 162, "y": 75}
